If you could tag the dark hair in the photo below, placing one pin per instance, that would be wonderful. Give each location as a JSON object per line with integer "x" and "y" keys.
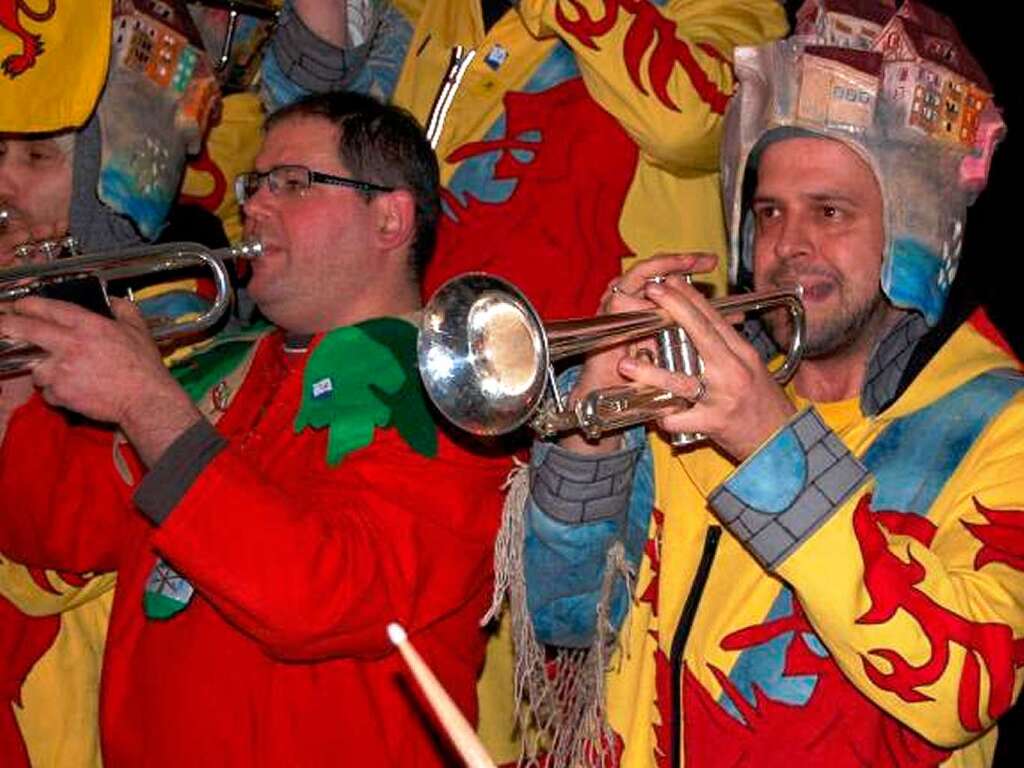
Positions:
{"x": 384, "y": 145}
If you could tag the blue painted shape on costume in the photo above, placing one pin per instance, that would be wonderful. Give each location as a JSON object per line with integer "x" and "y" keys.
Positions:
{"x": 564, "y": 563}
{"x": 911, "y": 278}
{"x": 773, "y": 477}
{"x": 764, "y": 666}
{"x": 474, "y": 178}
{"x": 173, "y": 304}
{"x": 815, "y": 645}
{"x": 915, "y": 456}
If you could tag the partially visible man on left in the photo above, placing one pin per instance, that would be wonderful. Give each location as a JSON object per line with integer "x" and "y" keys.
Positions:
{"x": 109, "y": 183}
{"x": 260, "y": 559}
{"x": 53, "y": 625}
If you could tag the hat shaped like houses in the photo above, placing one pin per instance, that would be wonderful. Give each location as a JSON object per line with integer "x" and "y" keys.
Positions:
{"x": 901, "y": 90}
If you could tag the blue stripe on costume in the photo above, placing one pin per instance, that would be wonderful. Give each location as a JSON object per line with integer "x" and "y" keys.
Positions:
{"x": 914, "y": 457}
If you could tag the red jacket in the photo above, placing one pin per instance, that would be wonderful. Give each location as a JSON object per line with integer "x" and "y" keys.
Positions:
{"x": 282, "y": 657}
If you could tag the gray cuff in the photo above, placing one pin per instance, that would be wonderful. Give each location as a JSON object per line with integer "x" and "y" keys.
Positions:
{"x": 788, "y": 489}
{"x": 308, "y": 61}
{"x": 578, "y": 488}
{"x": 169, "y": 479}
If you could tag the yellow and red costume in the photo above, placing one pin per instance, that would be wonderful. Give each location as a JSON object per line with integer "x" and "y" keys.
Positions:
{"x": 576, "y": 134}
{"x": 862, "y": 605}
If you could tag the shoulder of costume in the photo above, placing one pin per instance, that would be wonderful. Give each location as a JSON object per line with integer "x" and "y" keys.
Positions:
{"x": 364, "y": 377}
{"x": 208, "y": 363}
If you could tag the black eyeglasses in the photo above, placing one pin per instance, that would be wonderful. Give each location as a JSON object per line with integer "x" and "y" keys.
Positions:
{"x": 294, "y": 180}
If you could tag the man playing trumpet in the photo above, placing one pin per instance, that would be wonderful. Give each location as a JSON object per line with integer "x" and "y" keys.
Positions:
{"x": 836, "y": 577}
{"x": 52, "y": 185}
{"x": 260, "y": 560}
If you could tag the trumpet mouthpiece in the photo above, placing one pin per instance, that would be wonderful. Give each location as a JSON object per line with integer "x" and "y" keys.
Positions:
{"x": 247, "y": 249}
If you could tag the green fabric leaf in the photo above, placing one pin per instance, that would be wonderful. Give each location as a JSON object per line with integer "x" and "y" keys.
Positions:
{"x": 411, "y": 414}
{"x": 361, "y": 377}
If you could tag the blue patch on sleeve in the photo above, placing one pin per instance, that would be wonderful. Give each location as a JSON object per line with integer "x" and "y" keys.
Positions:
{"x": 772, "y": 478}
{"x": 564, "y": 564}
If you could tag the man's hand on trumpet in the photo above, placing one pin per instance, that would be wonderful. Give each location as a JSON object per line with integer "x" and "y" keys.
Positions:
{"x": 736, "y": 402}
{"x": 107, "y": 370}
{"x": 626, "y": 294}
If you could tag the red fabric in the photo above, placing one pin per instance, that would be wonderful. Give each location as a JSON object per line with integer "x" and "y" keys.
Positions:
{"x": 983, "y": 324}
{"x": 282, "y": 656}
{"x": 556, "y": 236}
{"x": 23, "y": 640}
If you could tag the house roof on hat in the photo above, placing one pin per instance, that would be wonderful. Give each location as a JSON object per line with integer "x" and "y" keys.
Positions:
{"x": 936, "y": 39}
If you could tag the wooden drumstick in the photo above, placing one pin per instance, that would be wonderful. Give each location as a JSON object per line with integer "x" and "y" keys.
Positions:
{"x": 458, "y": 728}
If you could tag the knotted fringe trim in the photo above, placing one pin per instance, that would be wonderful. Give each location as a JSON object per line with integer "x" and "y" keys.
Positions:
{"x": 559, "y": 704}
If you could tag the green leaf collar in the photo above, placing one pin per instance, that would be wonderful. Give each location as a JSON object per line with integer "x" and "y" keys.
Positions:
{"x": 365, "y": 376}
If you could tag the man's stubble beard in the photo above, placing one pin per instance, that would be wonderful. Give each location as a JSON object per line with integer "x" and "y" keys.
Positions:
{"x": 836, "y": 333}
{"x": 844, "y": 329}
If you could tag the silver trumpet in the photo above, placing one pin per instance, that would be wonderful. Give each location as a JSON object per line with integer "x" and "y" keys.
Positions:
{"x": 63, "y": 279}
{"x": 486, "y": 359}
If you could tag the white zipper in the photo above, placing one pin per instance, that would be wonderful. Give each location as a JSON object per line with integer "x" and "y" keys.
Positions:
{"x": 461, "y": 59}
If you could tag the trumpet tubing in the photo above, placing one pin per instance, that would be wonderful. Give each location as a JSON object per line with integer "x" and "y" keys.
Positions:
{"x": 100, "y": 269}
{"x": 486, "y": 358}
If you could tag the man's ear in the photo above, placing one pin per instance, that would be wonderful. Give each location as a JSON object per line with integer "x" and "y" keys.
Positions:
{"x": 395, "y": 219}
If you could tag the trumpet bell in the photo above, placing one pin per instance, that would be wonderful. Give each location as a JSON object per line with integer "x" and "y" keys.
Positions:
{"x": 483, "y": 354}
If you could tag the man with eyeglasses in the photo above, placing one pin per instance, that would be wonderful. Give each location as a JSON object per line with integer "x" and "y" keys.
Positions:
{"x": 260, "y": 560}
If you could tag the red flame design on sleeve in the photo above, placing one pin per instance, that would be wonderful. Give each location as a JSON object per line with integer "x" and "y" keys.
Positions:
{"x": 648, "y": 27}
{"x": 1001, "y": 537}
{"x": 891, "y": 584}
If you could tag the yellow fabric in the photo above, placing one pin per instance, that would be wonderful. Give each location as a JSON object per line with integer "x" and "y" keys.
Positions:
{"x": 230, "y": 149}
{"x": 826, "y": 571}
{"x": 59, "y": 709}
{"x": 53, "y": 57}
{"x": 674, "y": 203}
